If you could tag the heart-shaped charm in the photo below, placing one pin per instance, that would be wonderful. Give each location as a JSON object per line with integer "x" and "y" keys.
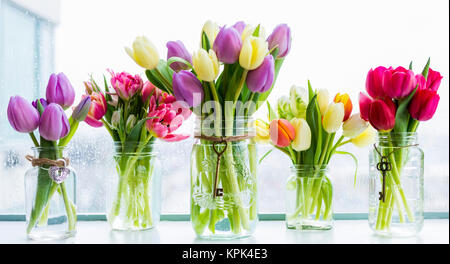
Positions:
{"x": 58, "y": 174}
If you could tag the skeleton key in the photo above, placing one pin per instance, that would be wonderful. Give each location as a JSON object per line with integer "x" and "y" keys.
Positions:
{"x": 383, "y": 166}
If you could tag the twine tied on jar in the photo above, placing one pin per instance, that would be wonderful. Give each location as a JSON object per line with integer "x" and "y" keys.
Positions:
{"x": 57, "y": 171}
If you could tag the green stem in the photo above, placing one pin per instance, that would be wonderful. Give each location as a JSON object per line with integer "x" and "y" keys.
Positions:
{"x": 33, "y": 137}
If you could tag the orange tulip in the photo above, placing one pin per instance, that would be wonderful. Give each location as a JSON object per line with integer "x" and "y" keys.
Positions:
{"x": 282, "y": 133}
{"x": 345, "y": 99}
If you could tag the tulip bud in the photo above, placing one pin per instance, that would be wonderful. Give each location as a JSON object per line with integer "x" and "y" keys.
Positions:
{"x": 89, "y": 87}
{"x": 54, "y": 124}
{"x": 302, "y": 139}
{"x": 423, "y": 104}
{"x": 22, "y": 116}
{"x": 60, "y": 91}
{"x": 228, "y": 45}
{"x": 333, "y": 117}
{"x": 261, "y": 79}
{"x": 82, "y": 109}
{"x": 43, "y": 103}
{"x": 280, "y": 37}
{"x": 253, "y": 52}
{"x": 284, "y": 108}
{"x": 364, "y": 106}
{"x": 398, "y": 83}
{"x": 298, "y": 98}
{"x": 147, "y": 90}
{"x": 97, "y": 110}
{"x": 206, "y": 65}
{"x": 239, "y": 26}
{"x": 144, "y": 53}
{"x": 433, "y": 80}
{"x": 211, "y": 30}
{"x": 354, "y": 126}
{"x": 281, "y": 132}
{"x": 115, "y": 119}
{"x": 177, "y": 49}
{"x": 382, "y": 114}
{"x": 322, "y": 99}
{"x": 366, "y": 138}
{"x": 131, "y": 121}
{"x": 374, "y": 82}
{"x": 345, "y": 99}
{"x": 262, "y": 132}
{"x": 187, "y": 88}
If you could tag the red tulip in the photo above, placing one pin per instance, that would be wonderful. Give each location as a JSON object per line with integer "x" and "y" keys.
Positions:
{"x": 382, "y": 114}
{"x": 374, "y": 82}
{"x": 433, "y": 80}
{"x": 282, "y": 133}
{"x": 398, "y": 83}
{"x": 97, "y": 109}
{"x": 364, "y": 106}
{"x": 424, "y": 104}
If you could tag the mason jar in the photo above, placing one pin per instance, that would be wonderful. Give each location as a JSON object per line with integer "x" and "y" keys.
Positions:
{"x": 50, "y": 197}
{"x": 309, "y": 198}
{"x": 396, "y": 185}
{"x": 134, "y": 187}
{"x": 223, "y": 180}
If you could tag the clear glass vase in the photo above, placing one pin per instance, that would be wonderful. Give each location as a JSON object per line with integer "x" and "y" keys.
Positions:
{"x": 309, "y": 198}
{"x": 134, "y": 189}
{"x": 50, "y": 202}
{"x": 224, "y": 204}
{"x": 396, "y": 202}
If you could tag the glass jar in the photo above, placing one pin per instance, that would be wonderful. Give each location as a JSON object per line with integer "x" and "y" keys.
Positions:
{"x": 134, "y": 189}
{"x": 224, "y": 189}
{"x": 309, "y": 198}
{"x": 50, "y": 197}
{"x": 396, "y": 202}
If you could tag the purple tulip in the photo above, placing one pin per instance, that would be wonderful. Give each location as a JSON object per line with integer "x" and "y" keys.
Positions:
{"x": 186, "y": 87}
{"x": 22, "y": 116}
{"x": 280, "y": 36}
{"x": 82, "y": 109}
{"x": 54, "y": 124}
{"x": 43, "y": 103}
{"x": 228, "y": 45}
{"x": 239, "y": 26}
{"x": 60, "y": 91}
{"x": 177, "y": 49}
{"x": 260, "y": 80}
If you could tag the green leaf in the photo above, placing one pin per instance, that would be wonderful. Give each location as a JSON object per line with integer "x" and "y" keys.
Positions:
{"x": 402, "y": 116}
{"x": 354, "y": 159}
{"x": 135, "y": 132}
{"x": 264, "y": 156}
{"x": 205, "y": 42}
{"x": 426, "y": 68}
{"x": 410, "y": 65}
{"x": 311, "y": 119}
{"x": 272, "y": 114}
{"x": 310, "y": 91}
{"x": 154, "y": 79}
{"x": 256, "y": 31}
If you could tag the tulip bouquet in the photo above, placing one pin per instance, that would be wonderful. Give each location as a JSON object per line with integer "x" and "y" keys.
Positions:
{"x": 304, "y": 127}
{"x": 223, "y": 101}
{"x": 398, "y": 101}
{"x": 55, "y": 131}
{"x": 135, "y": 114}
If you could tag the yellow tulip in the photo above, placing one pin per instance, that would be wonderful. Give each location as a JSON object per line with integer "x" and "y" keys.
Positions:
{"x": 333, "y": 117}
{"x": 367, "y": 137}
{"x": 206, "y": 65}
{"x": 144, "y": 53}
{"x": 354, "y": 126}
{"x": 253, "y": 52}
{"x": 322, "y": 98}
{"x": 211, "y": 29}
{"x": 249, "y": 29}
{"x": 262, "y": 132}
{"x": 302, "y": 139}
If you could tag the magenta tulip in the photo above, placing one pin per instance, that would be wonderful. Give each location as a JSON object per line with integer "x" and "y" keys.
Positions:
{"x": 239, "y": 26}
{"x": 167, "y": 121}
{"x": 374, "y": 82}
{"x": 280, "y": 37}
{"x": 148, "y": 90}
{"x": 97, "y": 109}
{"x": 227, "y": 45}
{"x": 433, "y": 80}
{"x": 22, "y": 116}
{"x": 187, "y": 88}
{"x": 364, "y": 106}
{"x": 126, "y": 85}
{"x": 398, "y": 83}
{"x": 54, "y": 124}
{"x": 60, "y": 91}
{"x": 382, "y": 114}
{"x": 261, "y": 79}
{"x": 424, "y": 104}
{"x": 177, "y": 49}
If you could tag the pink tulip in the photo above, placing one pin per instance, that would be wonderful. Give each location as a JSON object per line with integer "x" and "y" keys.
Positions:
{"x": 97, "y": 109}
{"x": 364, "y": 106}
{"x": 433, "y": 80}
{"x": 382, "y": 114}
{"x": 22, "y": 116}
{"x": 282, "y": 133}
{"x": 54, "y": 123}
{"x": 149, "y": 89}
{"x": 398, "y": 83}
{"x": 126, "y": 85}
{"x": 167, "y": 121}
{"x": 424, "y": 104}
{"x": 374, "y": 82}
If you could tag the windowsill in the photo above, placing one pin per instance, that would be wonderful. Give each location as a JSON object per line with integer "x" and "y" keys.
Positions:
{"x": 435, "y": 231}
